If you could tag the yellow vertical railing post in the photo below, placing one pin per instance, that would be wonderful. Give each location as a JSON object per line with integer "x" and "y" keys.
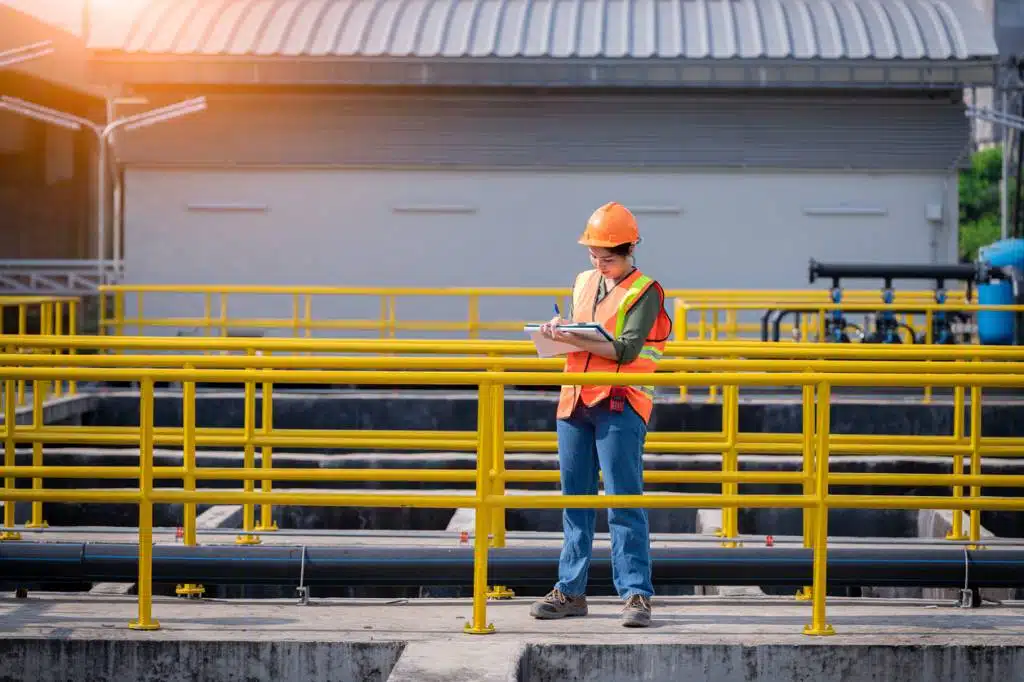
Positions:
{"x": 22, "y": 331}
{"x": 392, "y": 316}
{"x": 681, "y": 314}
{"x": 102, "y": 320}
{"x": 497, "y": 473}
{"x": 73, "y": 331}
{"x": 296, "y": 323}
{"x": 248, "y": 536}
{"x": 188, "y": 453}
{"x": 267, "y": 523}
{"x": 485, "y": 420}
{"x": 713, "y": 390}
{"x": 957, "y": 531}
{"x": 929, "y": 339}
{"x": 307, "y": 316}
{"x": 296, "y": 304}
{"x": 818, "y": 625}
{"x": 208, "y": 313}
{"x": 119, "y": 313}
{"x": 682, "y": 332}
{"x": 383, "y": 316}
{"x": 10, "y": 427}
{"x": 498, "y": 466}
{"x": 474, "y": 316}
{"x": 139, "y": 313}
{"x": 45, "y": 319}
{"x": 809, "y": 421}
{"x": 223, "y": 320}
{"x": 58, "y": 330}
{"x": 730, "y": 462}
{"x": 145, "y": 620}
{"x": 975, "y": 462}
{"x": 38, "y": 389}
{"x": 188, "y": 460}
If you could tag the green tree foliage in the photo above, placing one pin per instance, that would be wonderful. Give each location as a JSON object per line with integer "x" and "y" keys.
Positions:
{"x": 979, "y": 202}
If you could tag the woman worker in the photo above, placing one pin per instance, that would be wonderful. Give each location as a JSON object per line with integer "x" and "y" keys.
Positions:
{"x": 606, "y": 426}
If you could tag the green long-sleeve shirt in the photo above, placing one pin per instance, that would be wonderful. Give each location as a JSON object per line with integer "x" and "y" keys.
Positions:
{"x": 639, "y": 321}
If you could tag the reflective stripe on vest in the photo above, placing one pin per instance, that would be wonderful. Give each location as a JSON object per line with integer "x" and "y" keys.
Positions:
{"x": 632, "y": 294}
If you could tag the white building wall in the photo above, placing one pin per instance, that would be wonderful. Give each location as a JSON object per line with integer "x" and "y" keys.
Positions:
{"x": 509, "y": 228}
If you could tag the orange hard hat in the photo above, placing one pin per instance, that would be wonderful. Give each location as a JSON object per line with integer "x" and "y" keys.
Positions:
{"x": 609, "y": 226}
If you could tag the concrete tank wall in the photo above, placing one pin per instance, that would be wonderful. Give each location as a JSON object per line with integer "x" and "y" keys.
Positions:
{"x": 769, "y": 663}
{"x": 43, "y": 660}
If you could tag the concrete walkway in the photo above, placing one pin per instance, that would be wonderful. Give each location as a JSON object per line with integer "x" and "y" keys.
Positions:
{"x": 81, "y": 636}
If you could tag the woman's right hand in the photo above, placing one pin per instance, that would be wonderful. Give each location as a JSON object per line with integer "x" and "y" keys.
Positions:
{"x": 548, "y": 328}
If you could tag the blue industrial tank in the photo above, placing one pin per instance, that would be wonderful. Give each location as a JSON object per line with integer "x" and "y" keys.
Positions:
{"x": 997, "y": 327}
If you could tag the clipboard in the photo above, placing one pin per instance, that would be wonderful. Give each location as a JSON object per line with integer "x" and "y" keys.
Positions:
{"x": 547, "y": 348}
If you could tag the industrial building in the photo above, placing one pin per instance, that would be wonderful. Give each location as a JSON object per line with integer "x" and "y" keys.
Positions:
{"x": 447, "y": 143}
{"x": 439, "y": 142}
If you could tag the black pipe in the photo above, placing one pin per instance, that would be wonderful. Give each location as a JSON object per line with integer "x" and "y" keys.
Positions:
{"x": 783, "y": 314}
{"x": 961, "y": 272}
{"x": 766, "y": 317}
{"x": 403, "y": 566}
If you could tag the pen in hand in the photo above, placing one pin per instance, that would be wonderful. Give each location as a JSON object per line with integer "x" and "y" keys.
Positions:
{"x": 548, "y": 328}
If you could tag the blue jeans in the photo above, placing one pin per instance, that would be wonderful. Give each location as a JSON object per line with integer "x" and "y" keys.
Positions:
{"x": 592, "y": 437}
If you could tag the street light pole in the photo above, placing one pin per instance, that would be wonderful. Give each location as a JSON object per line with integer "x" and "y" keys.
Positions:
{"x": 25, "y": 53}
{"x": 102, "y": 133}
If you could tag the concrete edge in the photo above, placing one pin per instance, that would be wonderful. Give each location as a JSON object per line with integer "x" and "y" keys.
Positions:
{"x": 459, "y": 661}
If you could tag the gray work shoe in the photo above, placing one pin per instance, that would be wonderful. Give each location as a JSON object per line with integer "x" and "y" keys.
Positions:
{"x": 558, "y": 605}
{"x": 637, "y": 612}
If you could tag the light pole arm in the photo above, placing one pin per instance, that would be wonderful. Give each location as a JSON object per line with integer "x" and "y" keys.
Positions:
{"x": 26, "y": 53}
{"x": 146, "y": 118}
{"x": 154, "y": 116}
{"x": 102, "y": 133}
{"x": 47, "y": 115}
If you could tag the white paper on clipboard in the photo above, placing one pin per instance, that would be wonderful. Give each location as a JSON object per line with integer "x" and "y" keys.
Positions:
{"x": 548, "y": 348}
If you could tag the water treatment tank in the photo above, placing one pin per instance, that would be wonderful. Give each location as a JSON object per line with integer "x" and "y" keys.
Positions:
{"x": 997, "y": 327}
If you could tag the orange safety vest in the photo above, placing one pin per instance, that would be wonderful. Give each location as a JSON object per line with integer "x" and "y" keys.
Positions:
{"x": 610, "y": 313}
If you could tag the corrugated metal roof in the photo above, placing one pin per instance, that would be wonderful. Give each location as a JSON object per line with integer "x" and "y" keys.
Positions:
{"x": 941, "y": 30}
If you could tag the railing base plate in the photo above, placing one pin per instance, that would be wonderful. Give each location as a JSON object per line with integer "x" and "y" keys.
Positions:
{"x": 471, "y": 629}
{"x": 823, "y": 631}
{"x": 149, "y": 625}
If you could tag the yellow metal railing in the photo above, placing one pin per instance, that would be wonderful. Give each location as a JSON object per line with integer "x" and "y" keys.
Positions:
{"x": 128, "y": 307}
{"x": 500, "y": 348}
{"x": 489, "y": 498}
{"x": 811, "y": 325}
{"x": 729, "y": 441}
{"x": 734, "y": 348}
{"x": 451, "y": 355}
{"x": 719, "y": 315}
{"x": 302, "y": 322}
{"x": 44, "y": 316}
{"x": 718, "y": 321}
